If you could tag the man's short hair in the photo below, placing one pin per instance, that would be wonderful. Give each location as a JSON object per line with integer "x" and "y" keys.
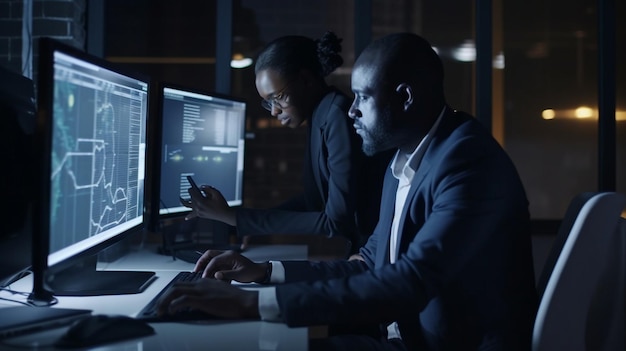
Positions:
{"x": 404, "y": 57}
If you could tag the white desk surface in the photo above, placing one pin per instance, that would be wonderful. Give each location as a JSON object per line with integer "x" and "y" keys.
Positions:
{"x": 209, "y": 335}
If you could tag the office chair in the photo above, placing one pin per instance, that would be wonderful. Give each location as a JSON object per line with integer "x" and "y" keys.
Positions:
{"x": 582, "y": 306}
{"x": 565, "y": 228}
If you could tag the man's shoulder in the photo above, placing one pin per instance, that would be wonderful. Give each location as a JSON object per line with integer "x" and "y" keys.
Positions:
{"x": 458, "y": 117}
{"x": 461, "y": 136}
{"x": 459, "y": 125}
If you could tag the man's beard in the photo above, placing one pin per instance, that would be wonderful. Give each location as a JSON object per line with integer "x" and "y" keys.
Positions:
{"x": 380, "y": 137}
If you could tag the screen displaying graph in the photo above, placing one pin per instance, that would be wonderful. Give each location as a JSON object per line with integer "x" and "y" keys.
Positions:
{"x": 98, "y": 153}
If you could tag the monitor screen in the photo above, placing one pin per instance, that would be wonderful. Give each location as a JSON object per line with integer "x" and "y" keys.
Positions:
{"x": 203, "y": 137}
{"x": 98, "y": 155}
{"x": 94, "y": 120}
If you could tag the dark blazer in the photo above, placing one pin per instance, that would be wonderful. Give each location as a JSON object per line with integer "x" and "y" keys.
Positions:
{"x": 464, "y": 276}
{"x": 333, "y": 200}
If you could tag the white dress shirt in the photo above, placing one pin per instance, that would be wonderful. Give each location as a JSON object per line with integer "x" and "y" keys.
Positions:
{"x": 403, "y": 168}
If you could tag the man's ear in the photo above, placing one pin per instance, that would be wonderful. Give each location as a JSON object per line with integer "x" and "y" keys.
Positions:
{"x": 406, "y": 93}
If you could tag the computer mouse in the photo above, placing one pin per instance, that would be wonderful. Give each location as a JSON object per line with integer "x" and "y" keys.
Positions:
{"x": 100, "y": 329}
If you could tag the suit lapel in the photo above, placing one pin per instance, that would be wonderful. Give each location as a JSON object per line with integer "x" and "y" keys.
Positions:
{"x": 422, "y": 170}
{"x": 387, "y": 209}
{"x": 418, "y": 178}
{"x": 446, "y": 125}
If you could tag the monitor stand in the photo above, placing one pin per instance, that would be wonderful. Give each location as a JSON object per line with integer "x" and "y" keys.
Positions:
{"x": 83, "y": 279}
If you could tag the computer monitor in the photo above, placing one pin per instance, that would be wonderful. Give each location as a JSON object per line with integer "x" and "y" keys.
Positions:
{"x": 202, "y": 135}
{"x": 199, "y": 134}
{"x": 92, "y": 126}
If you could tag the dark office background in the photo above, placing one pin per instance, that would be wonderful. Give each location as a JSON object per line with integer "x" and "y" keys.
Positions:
{"x": 545, "y": 57}
{"x": 550, "y": 59}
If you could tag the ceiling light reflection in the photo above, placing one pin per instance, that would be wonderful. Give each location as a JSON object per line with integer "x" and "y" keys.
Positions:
{"x": 579, "y": 113}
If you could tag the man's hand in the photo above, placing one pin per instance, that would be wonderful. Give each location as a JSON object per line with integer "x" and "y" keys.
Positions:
{"x": 214, "y": 297}
{"x": 230, "y": 265}
{"x": 208, "y": 202}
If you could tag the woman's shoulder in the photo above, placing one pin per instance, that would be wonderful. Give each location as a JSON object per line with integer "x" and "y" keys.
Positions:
{"x": 332, "y": 104}
{"x": 339, "y": 98}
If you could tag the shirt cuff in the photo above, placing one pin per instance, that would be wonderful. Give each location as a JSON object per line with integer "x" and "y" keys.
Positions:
{"x": 278, "y": 272}
{"x": 268, "y": 304}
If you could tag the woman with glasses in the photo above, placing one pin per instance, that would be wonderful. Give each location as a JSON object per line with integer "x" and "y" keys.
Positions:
{"x": 342, "y": 186}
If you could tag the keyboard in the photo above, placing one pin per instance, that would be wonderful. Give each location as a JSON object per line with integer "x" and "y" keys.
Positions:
{"x": 149, "y": 312}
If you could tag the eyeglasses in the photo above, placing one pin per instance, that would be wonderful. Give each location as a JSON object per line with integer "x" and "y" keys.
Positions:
{"x": 279, "y": 100}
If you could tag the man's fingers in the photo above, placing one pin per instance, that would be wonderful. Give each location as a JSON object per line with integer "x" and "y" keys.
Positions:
{"x": 227, "y": 275}
{"x": 205, "y": 259}
{"x": 216, "y": 264}
{"x": 187, "y": 301}
{"x": 172, "y": 294}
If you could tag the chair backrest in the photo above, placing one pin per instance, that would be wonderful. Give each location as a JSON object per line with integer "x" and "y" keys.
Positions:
{"x": 565, "y": 228}
{"x": 582, "y": 306}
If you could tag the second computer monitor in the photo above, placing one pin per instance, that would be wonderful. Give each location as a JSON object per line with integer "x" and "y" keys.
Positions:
{"x": 203, "y": 136}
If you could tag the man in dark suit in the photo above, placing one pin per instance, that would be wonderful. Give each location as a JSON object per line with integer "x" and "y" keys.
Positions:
{"x": 449, "y": 265}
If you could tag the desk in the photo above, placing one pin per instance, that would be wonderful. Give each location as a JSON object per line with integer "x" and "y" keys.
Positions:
{"x": 206, "y": 335}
